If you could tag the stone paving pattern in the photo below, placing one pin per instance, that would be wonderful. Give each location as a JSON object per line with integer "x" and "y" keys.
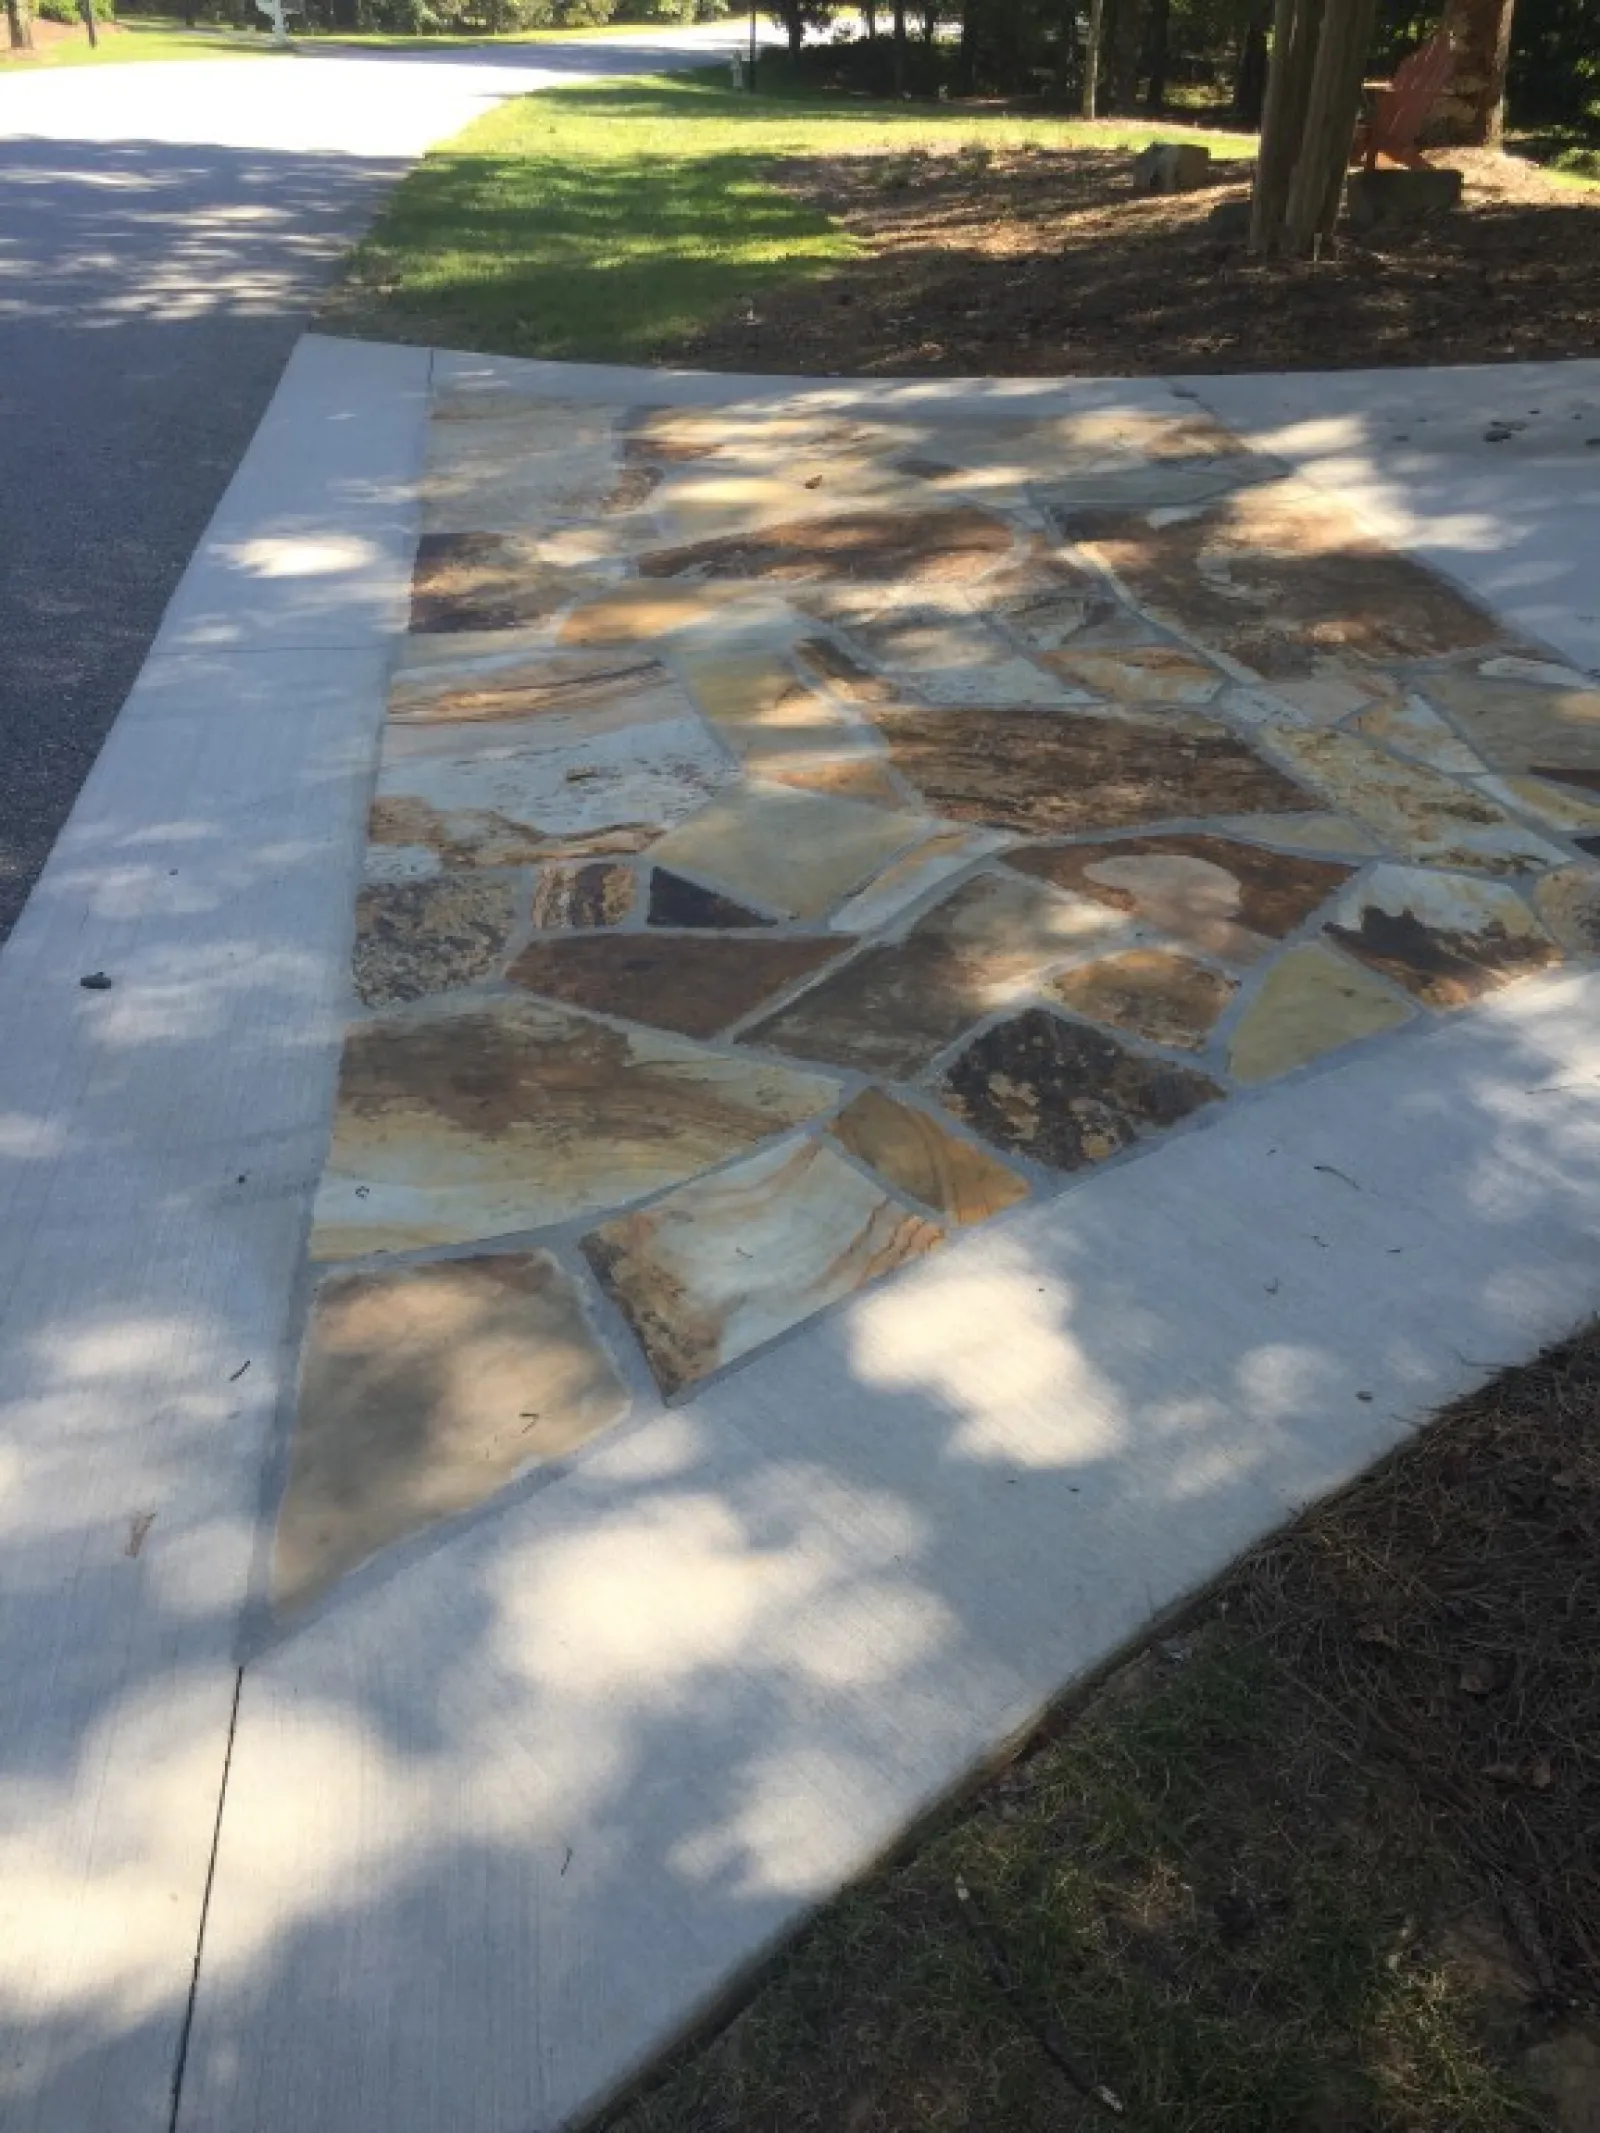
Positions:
{"x": 798, "y": 838}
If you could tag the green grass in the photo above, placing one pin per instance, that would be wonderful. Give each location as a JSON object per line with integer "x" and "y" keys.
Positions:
{"x": 613, "y": 221}
{"x": 133, "y": 40}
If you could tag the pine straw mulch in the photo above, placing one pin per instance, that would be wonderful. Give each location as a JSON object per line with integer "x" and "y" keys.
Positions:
{"x": 1040, "y": 262}
{"x": 1324, "y": 1857}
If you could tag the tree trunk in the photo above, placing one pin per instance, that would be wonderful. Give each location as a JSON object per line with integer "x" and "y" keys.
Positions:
{"x": 86, "y": 9}
{"x": 869, "y": 15}
{"x": 967, "y": 51}
{"x": 1091, "y": 58}
{"x": 1155, "y": 95}
{"x": 1250, "y": 83}
{"x": 19, "y": 22}
{"x": 1127, "y": 24}
{"x": 1319, "y": 52}
{"x": 899, "y": 47}
{"x": 1471, "y": 111}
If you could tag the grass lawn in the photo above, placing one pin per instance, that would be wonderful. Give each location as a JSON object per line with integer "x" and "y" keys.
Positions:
{"x": 128, "y": 41}
{"x": 615, "y": 220}
{"x": 1320, "y": 1860}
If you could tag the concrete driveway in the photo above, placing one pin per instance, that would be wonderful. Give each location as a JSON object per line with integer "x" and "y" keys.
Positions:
{"x": 164, "y": 234}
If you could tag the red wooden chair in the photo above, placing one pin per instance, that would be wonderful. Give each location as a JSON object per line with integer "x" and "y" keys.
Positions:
{"x": 1403, "y": 106}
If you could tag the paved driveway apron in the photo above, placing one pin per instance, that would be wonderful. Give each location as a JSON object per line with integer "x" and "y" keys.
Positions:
{"x": 164, "y": 234}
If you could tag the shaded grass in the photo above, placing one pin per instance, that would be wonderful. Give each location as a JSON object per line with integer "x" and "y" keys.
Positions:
{"x": 132, "y": 40}
{"x": 1324, "y": 1861}
{"x": 614, "y": 220}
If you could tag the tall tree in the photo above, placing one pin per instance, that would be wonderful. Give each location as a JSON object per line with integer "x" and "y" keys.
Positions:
{"x": 19, "y": 23}
{"x": 1091, "y": 58}
{"x": 899, "y": 47}
{"x": 1319, "y": 53}
{"x": 1157, "y": 43}
{"x": 1472, "y": 109}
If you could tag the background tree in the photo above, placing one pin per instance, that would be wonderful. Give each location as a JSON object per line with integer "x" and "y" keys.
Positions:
{"x": 1472, "y": 109}
{"x": 1319, "y": 55}
{"x": 19, "y": 23}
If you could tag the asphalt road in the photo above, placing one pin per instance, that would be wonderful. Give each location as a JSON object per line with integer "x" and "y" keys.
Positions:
{"x": 164, "y": 233}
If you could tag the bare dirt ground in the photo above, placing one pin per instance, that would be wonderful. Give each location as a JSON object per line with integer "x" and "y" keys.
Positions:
{"x": 1043, "y": 262}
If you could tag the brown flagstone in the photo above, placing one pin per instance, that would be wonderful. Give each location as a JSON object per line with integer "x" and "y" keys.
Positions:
{"x": 918, "y": 1154}
{"x": 1569, "y": 903}
{"x": 930, "y": 547}
{"x": 1048, "y": 772}
{"x": 1223, "y": 897}
{"x": 1552, "y": 732}
{"x": 484, "y": 581}
{"x": 845, "y": 674}
{"x": 582, "y": 896}
{"x": 1150, "y": 993}
{"x": 695, "y": 985}
{"x": 486, "y": 687}
{"x": 1447, "y": 938}
{"x": 1065, "y": 1095}
{"x": 675, "y": 900}
{"x": 419, "y": 937}
{"x": 423, "y": 1392}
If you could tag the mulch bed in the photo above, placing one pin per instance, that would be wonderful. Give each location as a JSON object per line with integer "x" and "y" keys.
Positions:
{"x": 1036, "y": 262}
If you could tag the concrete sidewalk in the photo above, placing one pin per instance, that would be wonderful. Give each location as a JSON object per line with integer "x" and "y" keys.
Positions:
{"x": 518, "y": 1797}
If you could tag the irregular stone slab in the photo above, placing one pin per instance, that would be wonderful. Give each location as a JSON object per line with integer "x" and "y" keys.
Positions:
{"x": 893, "y": 1008}
{"x": 1335, "y": 835}
{"x": 1544, "y": 671}
{"x": 1411, "y": 728}
{"x": 1569, "y": 903}
{"x": 918, "y": 1154}
{"x": 1048, "y": 773}
{"x": 844, "y": 673}
{"x": 796, "y": 852}
{"x": 508, "y": 472}
{"x": 1522, "y": 726}
{"x": 1411, "y": 808}
{"x": 423, "y": 1392}
{"x": 519, "y": 790}
{"x": 696, "y": 986}
{"x": 769, "y": 717}
{"x": 1150, "y": 993}
{"x": 1327, "y": 691}
{"x": 601, "y": 690}
{"x": 582, "y": 896}
{"x": 677, "y": 901}
{"x": 1048, "y": 604}
{"x": 852, "y": 777}
{"x": 931, "y": 547}
{"x": 1313, "y": 1002}
{"x": 905, "y": 881}
{"x": 485, "y": 581}
{"x": 1445, "y": 937}
{"x": 420, "y": 937}
{"x": 724, "y": 1265}
{"x": 1146, "y": 674}
{"x": 1065, "y": 1095}
{"x": 1570, "y": 812}
{"x": 631, "y": 613}
{"x": 512, "y": 1114}
{"x": 1276, "y": 574}
{"x": 1224, "y": 898}
{"x": 945, "y": 657}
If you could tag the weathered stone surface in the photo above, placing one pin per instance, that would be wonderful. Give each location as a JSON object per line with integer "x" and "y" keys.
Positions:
{"x": 1445, "y": 937}
{"x": 1412, "y": 728}
{"x": 919, "y": 1155}
{"x": 1164, "y": 998}
{"x": 419, "y": 937}
{"x": 851, "y": 776}
{"x": 484, "y": 581}
{"x": 1574, "y": 813}
{"x": 1277, "y": 574}
{"x": 845, "y": 674}
{"x": 424, "y": 1391}
{"x": 1224, "y": 898}
{"x": 677, "y": 901}
{"x": 892, "y": 1008}
{"x": 597, "y": 689}
{"x": 1569, "y": 904}
{"x": 696, "y": 986}
{"x": 1048, "y": 773}
{"x": 721, "y": 1266}
{"x": 1048, "y": 611}
{"x": 796, "y": 852}
{"x": 1552, "y": 732}
{"x": 905, "y": 881}
{"x": 931, "y": 547}
{"x": 582, "y": 896}
{"x": 1065, "y": 1095}
{"x": 519, "y": 790}
{"x": 1388, "y": 199}
{"x": 946, "y": 657}
{"x": 505, "y": 473}
{"x": 631, "y": 613}
{"x": 1411, "y": 808}
{"x": 1312, "y": 1002}
{"x": 1171, "y": 167}
{"x": 1143, "y": 674}
{"x": 770, "y": 718}
{"x": 513, "y": 1114}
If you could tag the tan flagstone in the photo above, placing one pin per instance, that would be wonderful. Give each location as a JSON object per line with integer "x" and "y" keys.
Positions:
{"x": 918, "y": 1154}
{"x": 1151, "y": 993}
{"x": 1523, "y": 726}
{"x": 1569, "y": 904}
{"x": 423, "y": 1392}
{"x": 1412, "y": 728}
{"x": 510, "y": 1114}
{"x": 1311, "y": 1003}
{"x": 722, "y": 1266}
{"x": 591, "y": 691}
{"x": 1148, "y": 674}
{"x": 793, "y": 851}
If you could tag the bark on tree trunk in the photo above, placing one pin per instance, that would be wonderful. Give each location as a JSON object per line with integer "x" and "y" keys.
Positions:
{"x": 19, "y": 24}
{"x": 869, "y": 14}
{"x": 1471, "y": 111}
{"x": 1091, "y": 58}
{"x": 1250, "y": 83}
{"x": 899, "y": 47}
{"x": 1294, "y": 24}
{"x": 1155, "y": 94}
{"x": 1127, "y": 24}
{"x": 1319, "y": 52}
